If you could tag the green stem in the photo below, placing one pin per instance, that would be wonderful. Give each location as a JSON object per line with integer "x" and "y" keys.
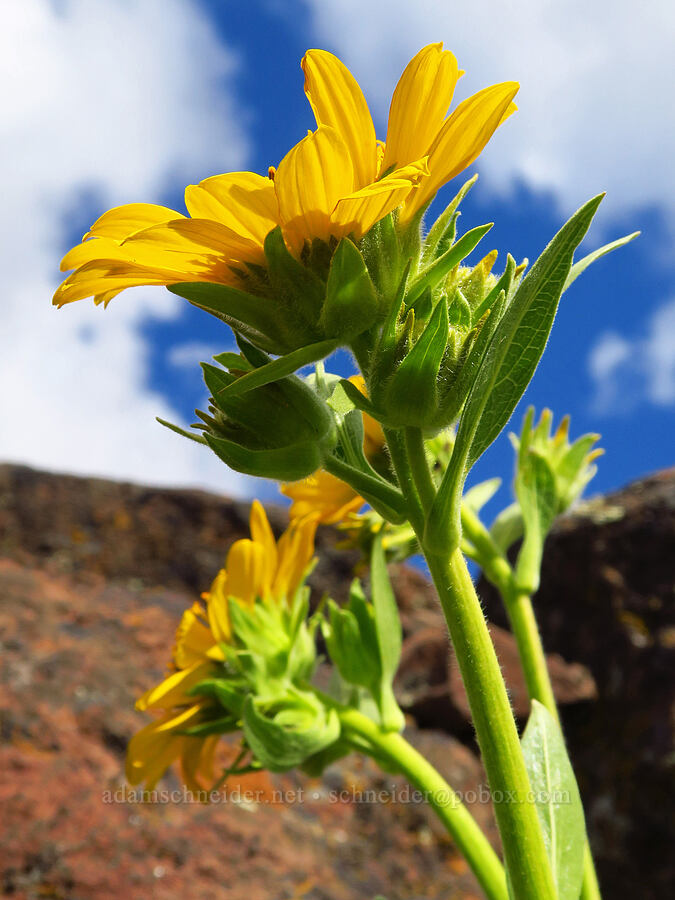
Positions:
{"x": 406, "y": 479}
{"x": 524, "y": 850}
{"x": 419, "y": 465}
{"x": 533, "y": 659}
{"x": 437, "y": 792}
{"x": 530, "y": 650}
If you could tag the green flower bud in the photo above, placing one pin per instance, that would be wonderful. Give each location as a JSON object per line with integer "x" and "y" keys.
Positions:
{"x": 280, "y": 430}
{"x": 425, "y": 364}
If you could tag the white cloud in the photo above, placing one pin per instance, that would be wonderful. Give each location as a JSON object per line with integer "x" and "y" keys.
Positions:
{"x": 115, "y": 99}
{"x": 627, "y": 371}
{"x": 596, "y": 84}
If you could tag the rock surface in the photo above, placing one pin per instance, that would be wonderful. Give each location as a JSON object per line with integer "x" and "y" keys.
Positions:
{"x": 94, "y": 576}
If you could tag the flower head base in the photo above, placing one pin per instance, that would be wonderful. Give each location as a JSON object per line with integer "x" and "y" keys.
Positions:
{"x": 258, "y": 251}
{"x": 326, "y": 497}
{"x": 250, "y": 635}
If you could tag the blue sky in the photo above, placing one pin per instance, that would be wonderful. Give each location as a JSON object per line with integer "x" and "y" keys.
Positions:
{"x": 125, "y": 100}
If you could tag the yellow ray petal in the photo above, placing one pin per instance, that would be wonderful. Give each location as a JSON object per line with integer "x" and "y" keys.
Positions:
{"x": 262, "y": 534}
{"x": 296, "y": 549}
{"x": 246, "y": 571}
{"x": 461, "y": 140}
{"x": 121, "y": 221}
{"x": 243, "y": 201}
{"x": 359, "y": 211}
{"x": 323, "y": 496}
{"x": 419, "y": 105}
{"x": 217, "y": 608}
{"x": 173, "y": 690}
{"x": 198, "y": 237}
{"x": 337, "y": 101}
{"x": 194, "y": 639}
{"x": 196, "y": 763}
{"x": 310, "y": 180}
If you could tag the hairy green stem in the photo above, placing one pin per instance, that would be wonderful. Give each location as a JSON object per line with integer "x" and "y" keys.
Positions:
{"x": 524, "y": 850}
{"x": 419, "y": 465}
{"x": 447, "y": 805}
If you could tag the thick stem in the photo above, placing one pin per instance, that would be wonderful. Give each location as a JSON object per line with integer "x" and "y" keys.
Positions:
{"x": 524, "y": 849}
{"x": 437, "y": 792}
{"x": 533, "y": 659}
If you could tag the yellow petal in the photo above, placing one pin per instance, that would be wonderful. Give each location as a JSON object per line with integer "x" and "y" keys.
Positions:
{"x": 120, "y": 222}
{"x": 337, "y": 101}
{"x": 154, "y": 748}
{"x": 310, "y": 180}
{"x": 217, "y": 608}
{"x": 246, "y": 571}
{"x": 420, "y": 103}
{"x": 323, "y": 496}
{"x": 358, "y": 212}
{"x": 194, "y": 639}
{"x": 196, "y": 763}
{"x": 199, "y": 238}
{"x": 243, "y": 201}
{"x": 296, "y": 549}
{"x": 462, "y": 138}
{"x": 173, "y": 690}
{"x": 262, "y": 534}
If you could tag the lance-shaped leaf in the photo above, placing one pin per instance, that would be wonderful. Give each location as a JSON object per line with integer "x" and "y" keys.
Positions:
{"x": 295, "y": 287}
{"x": 537, "y": 498}
{"x": 442, "y": 232}
{"x": 524, "y": 330}
{"x": 556, "y": 795}
{"x": 389, "y": 635}
{"x": 439, "y": 268}
{"x": 281, "y": 367}
{"x": 412, "y": 393}
{"x": 351, "y": 304}
{"x": 443, "y": 527}
{"x": 584, "y": 263}
{"x": 230, "y": 304}
{"x": 282, "y": 464}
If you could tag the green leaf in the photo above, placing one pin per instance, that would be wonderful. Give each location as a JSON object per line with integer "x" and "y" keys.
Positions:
{"x": 291, "y": 736}
{"x": 351, "y": 398}
{"x": 440, "y": 267}
{"x": 524, "y": 329}
{"x": 295, "y": 287}
{"x": 389, "y": 636}
{"x": 442, "y": 232}
{"x": 557, "y": 799}
{"x": 443, "y": 527}
{"x": 584, "y": 263}
{"x": 480, "y": 494}
{"x": 412, "y": 392}
{"x": 198, "y": 438}
{"x": 280, "y": 368}
{"x": 282, "y": 464}
{"x": 230, "y": 304}
{"x": 537, "y": 497}
{"x": 507, "y": 528}
{"x": 351, "y": 303}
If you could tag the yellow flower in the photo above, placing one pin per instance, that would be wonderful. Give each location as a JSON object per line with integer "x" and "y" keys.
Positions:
{"x": 323, "y": 495}
{"x": 157, "y": 746}
{"x": 259, "y": 567}
{"x": 337, "y": 181}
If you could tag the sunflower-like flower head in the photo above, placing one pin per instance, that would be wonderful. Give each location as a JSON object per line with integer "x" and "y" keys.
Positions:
{"x": 291, "y": 258}
{"x": 247, "y": 638}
